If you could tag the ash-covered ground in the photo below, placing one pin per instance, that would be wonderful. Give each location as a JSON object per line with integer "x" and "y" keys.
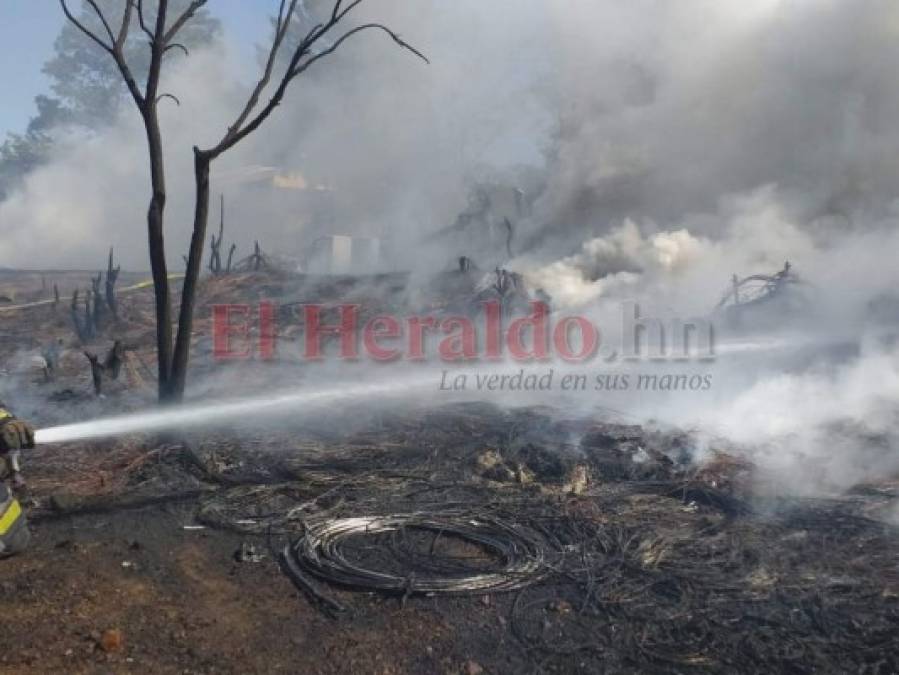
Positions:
{"x": 477, "y": 536}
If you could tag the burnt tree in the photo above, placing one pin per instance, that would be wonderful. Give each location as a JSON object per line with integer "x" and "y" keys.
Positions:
{"x": 215, "y": 255}
{"x": 84, "y": 326}
{"x": 316, "y": 45}
{"x": 110, "y": 367}
{"x": 91, "y": 326}
{"x": 115, "y": 359}
{"x": 96, "y": 372}
{"x": 76, "y": 321}
{"x": 112, "y": 276}
{"x": 161, "y": 33}
{"x": 257, "y": 260}
{"x": 321, "y": 41}
{"x": 99, "y": 306}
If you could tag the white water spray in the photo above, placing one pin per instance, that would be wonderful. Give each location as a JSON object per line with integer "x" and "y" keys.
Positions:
{"x": 298, "y": 401}
{"x": 279, "y": 404}
{"x": 276, "y": 404}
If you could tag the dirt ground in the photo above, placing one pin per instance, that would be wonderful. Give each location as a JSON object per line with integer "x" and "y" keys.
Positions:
{"x": 183, "y": 605}
{"x": 647, "y": 575}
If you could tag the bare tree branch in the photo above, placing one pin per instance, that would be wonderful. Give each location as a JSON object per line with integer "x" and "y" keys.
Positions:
{"x": 115, "y": 48}
{"x": 119, "y": 44}
{"x": 242, "y": 127}
{"x": 346, "y": 36}
{"x": 188, "y": 14}
{"x": 317, "y": 27}
{"x": 103, "y": 20}
{"x": 143, "y": 22}
{"x": 171, "y": 96}
{"x": 177, "y": 45}
{"x": 280, "y": 21}
{"x": 80, "y": 26}
{"x": 336, "y": 9}
{"x": 156, "y": 52}
{"x": 282, "y": 27}
{"x": 338, "y": 15}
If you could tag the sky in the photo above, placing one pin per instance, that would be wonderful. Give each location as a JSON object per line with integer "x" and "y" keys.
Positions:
{"x": 29, "y": 27}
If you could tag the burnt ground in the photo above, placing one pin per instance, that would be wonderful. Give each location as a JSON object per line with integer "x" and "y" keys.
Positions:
{"x": 165, "y": 554}
{"x": 183, "y": 604}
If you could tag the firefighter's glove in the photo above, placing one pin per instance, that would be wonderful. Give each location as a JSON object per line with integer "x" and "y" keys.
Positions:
{"x": 14, "y": 434}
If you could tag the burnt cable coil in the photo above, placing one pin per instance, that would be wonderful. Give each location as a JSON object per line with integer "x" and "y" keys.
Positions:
{"x": 321, "y": 552}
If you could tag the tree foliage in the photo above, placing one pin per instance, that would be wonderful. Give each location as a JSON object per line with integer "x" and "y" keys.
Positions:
{"x": 86, "y": 88}
{"x": 88, "y": 84}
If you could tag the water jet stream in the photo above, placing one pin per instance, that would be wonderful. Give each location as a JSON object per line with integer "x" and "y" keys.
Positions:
{"x": 277, "y": 404}
{"x": 294, "y": 401}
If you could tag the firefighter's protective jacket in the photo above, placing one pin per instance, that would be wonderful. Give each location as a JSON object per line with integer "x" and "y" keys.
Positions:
{"x": 14, "y": 534}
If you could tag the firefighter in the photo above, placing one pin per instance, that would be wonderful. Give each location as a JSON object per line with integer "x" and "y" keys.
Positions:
{"x": 15, "y": 435}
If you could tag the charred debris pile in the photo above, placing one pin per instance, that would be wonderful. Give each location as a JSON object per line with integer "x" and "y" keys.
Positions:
{"x": 601, "y": 543}
{"x": 601, "y": 546}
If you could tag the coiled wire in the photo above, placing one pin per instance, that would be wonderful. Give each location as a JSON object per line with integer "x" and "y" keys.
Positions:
{"x": 517, "y": 555}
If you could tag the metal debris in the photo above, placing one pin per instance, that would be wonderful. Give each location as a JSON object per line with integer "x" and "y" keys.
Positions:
{"x": 486, "y": 554}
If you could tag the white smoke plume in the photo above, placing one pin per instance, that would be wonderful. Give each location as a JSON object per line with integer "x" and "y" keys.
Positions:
{"x": 372, "y": 141}
{"x": 825, "y": 429}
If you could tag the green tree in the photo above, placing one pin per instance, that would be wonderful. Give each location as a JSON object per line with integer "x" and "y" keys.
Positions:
{"x": 86, "y": 86}
{"x": 20, "y": 154}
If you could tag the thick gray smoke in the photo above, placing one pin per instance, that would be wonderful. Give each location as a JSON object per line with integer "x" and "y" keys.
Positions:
{"x": 668, "y": 107}
{"x": 677, "y": 142}
{"x": 655, "y": 111}
{"x": 372, "y": 141}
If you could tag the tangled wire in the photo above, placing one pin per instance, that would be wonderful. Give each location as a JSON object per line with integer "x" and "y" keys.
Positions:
{"x": 424, "y": 554}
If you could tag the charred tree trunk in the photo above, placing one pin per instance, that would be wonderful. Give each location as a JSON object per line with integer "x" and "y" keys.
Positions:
{"x": 114, "y": 360}
{"x": 97, "y": 309}
{"x": 83, "y": 317}
{"x": 510, "y": 236}
{"x": 96, "y": 372}
{"x": 90, "y": 329}
{"x": 111, "y": 366}
{"x": 112, "y": 276}
{"x": 216, "y": 268}
{"x": 215, "y": 256}
{"x": 76, "y": 320}
{"x": 157, "y": 255}
{"x": 202, "y": 162}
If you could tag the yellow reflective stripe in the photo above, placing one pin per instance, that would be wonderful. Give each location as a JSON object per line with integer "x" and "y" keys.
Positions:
{"x": 8, "y": 519}
{"x": 5, "y": 414}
